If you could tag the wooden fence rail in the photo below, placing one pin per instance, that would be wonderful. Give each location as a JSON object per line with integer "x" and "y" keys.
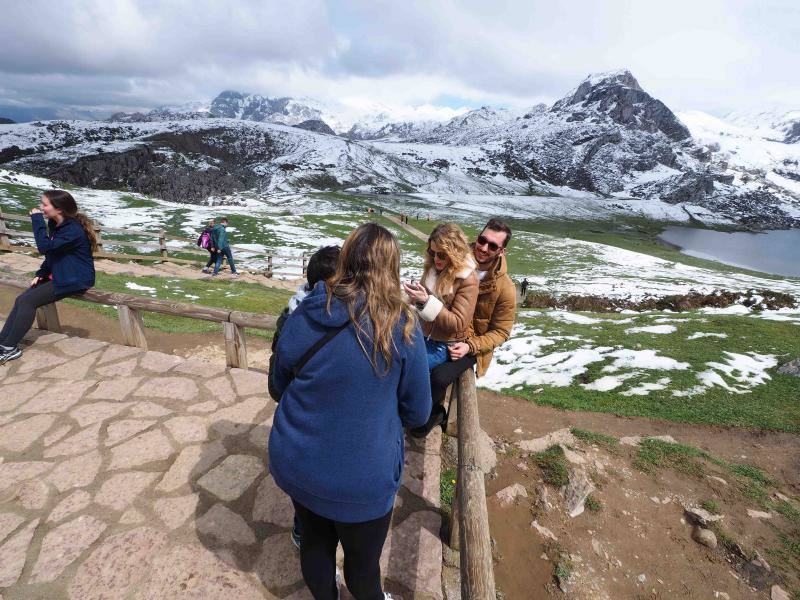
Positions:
{"x": 130, "y": 318}
{"x": 159, "y": 245}
{"x": 469, "y": 531}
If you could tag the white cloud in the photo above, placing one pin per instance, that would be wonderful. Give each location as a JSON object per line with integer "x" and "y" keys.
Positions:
{"x": 112, "y": 54}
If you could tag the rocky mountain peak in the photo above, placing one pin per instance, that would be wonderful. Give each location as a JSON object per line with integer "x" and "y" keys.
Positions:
{"x": 617, "y": 96}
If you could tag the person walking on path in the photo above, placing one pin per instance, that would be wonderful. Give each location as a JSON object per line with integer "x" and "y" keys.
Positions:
{"x": 493, "y": 319}
{"x": 445, "y": 299}
{"x": 67, "y": 241}
{"x": 351, "y": 373}
{"x": 523, "y": 288}
{"x": 221, "y": 246}
{"x": 206, "y": 240}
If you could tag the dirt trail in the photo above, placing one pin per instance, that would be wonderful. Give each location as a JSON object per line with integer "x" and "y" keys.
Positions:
{"x": 639, "y": 543}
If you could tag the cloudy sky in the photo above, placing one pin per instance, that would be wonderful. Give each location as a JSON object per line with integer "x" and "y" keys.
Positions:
{"x": 76, "y": 57}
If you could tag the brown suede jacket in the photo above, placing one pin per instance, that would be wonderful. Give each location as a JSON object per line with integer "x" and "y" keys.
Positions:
{"x": 494, "y": 314}
{"x": 449, "y": 318}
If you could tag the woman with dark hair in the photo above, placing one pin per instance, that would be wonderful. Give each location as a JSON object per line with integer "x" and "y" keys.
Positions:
{"x": 67, "y": 242}
{"x": 351, "y": 372}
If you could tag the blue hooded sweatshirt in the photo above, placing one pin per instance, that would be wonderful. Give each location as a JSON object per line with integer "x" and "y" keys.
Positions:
{"x": 67, "y": 255}
{"x": 336, "y": 445}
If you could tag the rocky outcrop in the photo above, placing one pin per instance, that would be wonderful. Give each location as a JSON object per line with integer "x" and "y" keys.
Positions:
{"x": 5, "y": 121}
{"x": 316, "y": 125}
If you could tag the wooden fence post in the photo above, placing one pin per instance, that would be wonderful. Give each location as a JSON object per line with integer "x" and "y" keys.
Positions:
{"x": 47, "y": 318}
{"x": 270, "y": 272}
{"x": 455, "y": 515}
{"x": 132, "y": 325}
{"x": 4, "y": 243}
{"x": 305, "y": 264}
{"x": 98, "y": 232}
{"x": 235, "y": 346}
{"x": 452, "y": 412}
{"x": 162, "y": 242}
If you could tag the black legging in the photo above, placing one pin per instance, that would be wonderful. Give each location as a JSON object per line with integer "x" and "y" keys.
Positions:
{"x": 21, "y": 317}
{"x": 211, "y": 259}
{"x": 362, "y": 544}
{"x": 445, "y": 374}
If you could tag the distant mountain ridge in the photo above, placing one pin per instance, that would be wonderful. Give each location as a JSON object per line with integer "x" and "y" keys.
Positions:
{"x": 606, "y": 137}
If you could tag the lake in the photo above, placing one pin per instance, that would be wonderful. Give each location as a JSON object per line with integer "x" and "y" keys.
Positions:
{"x": 776, "y": 252}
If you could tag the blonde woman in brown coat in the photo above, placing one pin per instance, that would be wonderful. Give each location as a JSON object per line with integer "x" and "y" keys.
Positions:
{"x": 445, "y": 300}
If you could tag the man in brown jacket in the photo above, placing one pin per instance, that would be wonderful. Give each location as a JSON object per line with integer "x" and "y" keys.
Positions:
{"x": 491, "y": 323}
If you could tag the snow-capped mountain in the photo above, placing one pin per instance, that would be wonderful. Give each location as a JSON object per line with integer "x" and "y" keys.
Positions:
{"x": 608, "y": 137}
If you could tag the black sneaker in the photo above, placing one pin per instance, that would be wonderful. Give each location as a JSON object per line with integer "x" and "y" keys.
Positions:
{"x": 296, "y": 537}
{"x": 437, "y": 417}
{"x": 9, "y": 354}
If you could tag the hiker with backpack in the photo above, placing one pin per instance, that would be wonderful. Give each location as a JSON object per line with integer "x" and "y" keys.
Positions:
{"x": 205, "y": 241}
{"x": 67, "y": 241}
{"x": 351, "y": 371}
{"x": 220, "y": 245}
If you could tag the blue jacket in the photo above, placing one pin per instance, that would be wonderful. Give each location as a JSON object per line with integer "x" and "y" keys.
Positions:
{"x": 336, "y": 445}
{"x": 67, "y": 255}
{"x": 219, "y": 237}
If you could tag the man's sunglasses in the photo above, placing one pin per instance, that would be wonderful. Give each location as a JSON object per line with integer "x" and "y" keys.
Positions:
{"x": 482, "y": 241}
{"x": 439, "y": 255}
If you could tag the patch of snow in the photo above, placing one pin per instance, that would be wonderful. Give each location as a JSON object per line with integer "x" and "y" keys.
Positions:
{"x": 704, "y": 334}
{"x": 659, "y": 329}
{"x": 131, "y": 285}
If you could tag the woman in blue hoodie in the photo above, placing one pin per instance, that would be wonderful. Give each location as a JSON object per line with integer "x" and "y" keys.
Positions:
{"x": 67, "y": 242}
{"x": 336, "y": 446}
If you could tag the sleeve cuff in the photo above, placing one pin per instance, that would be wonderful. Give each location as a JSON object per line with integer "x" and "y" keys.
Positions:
{"x": 431, "y": 310}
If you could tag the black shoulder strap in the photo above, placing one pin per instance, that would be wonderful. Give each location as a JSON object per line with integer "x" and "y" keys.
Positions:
{"x": 329, "y": 335}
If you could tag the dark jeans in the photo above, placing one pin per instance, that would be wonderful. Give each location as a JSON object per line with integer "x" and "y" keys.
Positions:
{"x": 362, "y": 544}
{"x": 227, "y": 253}
{"x": 21, "y": 317}
{"x": 212, "y": 258}
{"x": 445, "y": 374}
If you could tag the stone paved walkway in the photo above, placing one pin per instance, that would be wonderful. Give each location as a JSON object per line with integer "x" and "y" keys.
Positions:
{"x": 131, "y": 474}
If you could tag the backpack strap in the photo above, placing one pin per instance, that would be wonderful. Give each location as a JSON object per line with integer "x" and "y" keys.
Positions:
{"x": 329, "y": 335}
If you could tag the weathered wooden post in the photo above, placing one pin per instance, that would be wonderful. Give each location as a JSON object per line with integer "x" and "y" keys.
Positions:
{"x": 452, "y": 412}
{"x": 235, "y": 346}
{"x": 477, "y": 567}
{"x": 47, "y": 318}
{"x": 162, "y": 242}
{"x": 98, "y": 232}
{"x": 4, "y": 243}
{"x": 305, "y": 264}
{"x": 270, "y": 272}
{"x": 132, "y": 325}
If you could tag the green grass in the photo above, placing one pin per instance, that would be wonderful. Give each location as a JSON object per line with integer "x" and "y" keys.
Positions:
{"x": 653, "y": 454}
{"x": 553, "y": 465}
{"x": 234, "y": 295}
{"x": 592, "y": 504}
{"x": 711, "y": 506}
{"x": 771, "y": 405}
{"x": 608, "y": 442}
{"x": 447, "y": 488}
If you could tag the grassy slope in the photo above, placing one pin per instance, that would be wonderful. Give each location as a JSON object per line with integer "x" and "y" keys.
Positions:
{"x": 773, "y": 405}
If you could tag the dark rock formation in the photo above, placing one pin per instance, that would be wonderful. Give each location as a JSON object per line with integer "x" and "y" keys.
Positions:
{"x": 316, "y": 125}
{"x": 4, "y": 121}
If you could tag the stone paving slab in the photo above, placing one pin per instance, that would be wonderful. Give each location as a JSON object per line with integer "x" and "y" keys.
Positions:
{"x": 151, "y": 481}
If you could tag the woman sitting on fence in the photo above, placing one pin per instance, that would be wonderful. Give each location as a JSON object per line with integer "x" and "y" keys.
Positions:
{"x": 351, "y": 372}
{"x": 445, "y": 299}
{"x": 67, "y": 242}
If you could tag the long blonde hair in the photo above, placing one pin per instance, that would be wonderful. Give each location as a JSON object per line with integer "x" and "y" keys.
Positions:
{"x": 453, "y": 242}
{"x": 367, "y": 280}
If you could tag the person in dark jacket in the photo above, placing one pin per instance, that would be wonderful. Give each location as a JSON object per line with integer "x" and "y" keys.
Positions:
{"x": 67, "y": 242}
{"x": 222, "y": 247}
{"x": 336, "y": 445}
